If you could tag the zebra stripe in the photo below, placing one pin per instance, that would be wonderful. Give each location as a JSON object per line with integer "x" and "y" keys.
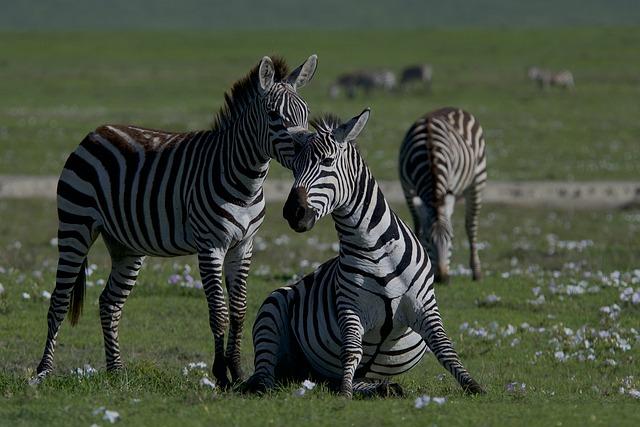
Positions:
{"x": 371, "y": 311}
{"x": 443, "y": 158}
{"x": 150, "y": 192}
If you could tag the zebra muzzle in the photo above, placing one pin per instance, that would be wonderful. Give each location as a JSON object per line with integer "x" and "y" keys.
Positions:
{"x": 297, "y": 212}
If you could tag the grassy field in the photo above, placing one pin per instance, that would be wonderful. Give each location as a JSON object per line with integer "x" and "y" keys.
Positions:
{"x": 56, "y": 87}
{"x": 579, "y": 261}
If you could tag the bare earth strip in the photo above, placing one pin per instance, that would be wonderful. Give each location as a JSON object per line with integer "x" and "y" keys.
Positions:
{"x": 556, "y": 194}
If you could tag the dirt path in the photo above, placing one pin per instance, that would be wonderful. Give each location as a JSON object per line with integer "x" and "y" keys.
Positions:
{"x": 557, "y": 194}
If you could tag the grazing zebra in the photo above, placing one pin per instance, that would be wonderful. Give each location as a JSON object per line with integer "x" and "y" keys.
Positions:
{"x": 157, "y": 193}
{"x": 546, "y": 78}
{"x": 365, "y": 80}
{"x": 441, "y": 159}
{"x": 371, "y": 311}
{"x": 422, "y": 74}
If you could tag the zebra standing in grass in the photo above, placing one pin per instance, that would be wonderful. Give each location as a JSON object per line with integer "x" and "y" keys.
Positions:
{"x": 157, "y": 193}
{"x": 365, "y": 80}
{"x": 441, "y": 159}
{"x": 371, "y": 311}
{"x": 422, "y": 74}
{"x": 546, "y": 78}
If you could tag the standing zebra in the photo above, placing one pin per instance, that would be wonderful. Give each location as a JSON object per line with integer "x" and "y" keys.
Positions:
{"x": 441, "y": 159}
{"x": 423, "y": 74}
{"x": 157, "y": 193}
{"x": 371, "y": 311}
{"x": 546, "y": 78}
{"x": 365, "y": 80}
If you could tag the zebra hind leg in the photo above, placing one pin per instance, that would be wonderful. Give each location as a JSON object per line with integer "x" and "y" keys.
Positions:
{"x": 472, "y": 207}
{"x": 74, "y": 242}
{"x": 123, "y": 276}
{"x": 365, "y": 387}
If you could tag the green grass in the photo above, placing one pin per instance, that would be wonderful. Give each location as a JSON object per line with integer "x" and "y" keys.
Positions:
{"x": 164, "y": 327}
{"x": 56, "y": 87}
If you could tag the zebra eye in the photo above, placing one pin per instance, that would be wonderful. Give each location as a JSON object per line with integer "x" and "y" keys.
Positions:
{"x": 327, "y": 161}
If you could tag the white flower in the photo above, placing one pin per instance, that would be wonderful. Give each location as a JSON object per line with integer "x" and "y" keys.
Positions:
{"x": 421, "y": 401}
{"x": 26, "y": 295}
{"x": 560, "y": 356}
{"x": 439, "y": 400}
{"x": 206, "y": 382}
{"x": 299, "y": 392}
{"x": 193, "y": 365}
{"x": 99, "y": 410}
{"x": 85, "y": 371}
{"x": 510, "y": 330}
{"x": 111, "y": 416}
{"x": 634, "y": 393}
{"x": 309, "y": 385}
{"x": 46, "y": 295}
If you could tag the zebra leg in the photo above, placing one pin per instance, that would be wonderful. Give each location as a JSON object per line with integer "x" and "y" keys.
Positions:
{"x": 123, "y": 276}
{"x": 74, "y": 241}
{"x": 430, "y": 327}
{"x": 271, "y": 341}
{"x": 473, "y": 201}
{"x": 236, "y": 267}
{"x": 210, "y": 264}
{"x": 365, "y": 387}
{"x": 351, "y": 332}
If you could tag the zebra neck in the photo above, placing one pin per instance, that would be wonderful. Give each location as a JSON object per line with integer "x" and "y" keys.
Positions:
{"x": 366, "y": 223}
{"x": 238, "y": 162}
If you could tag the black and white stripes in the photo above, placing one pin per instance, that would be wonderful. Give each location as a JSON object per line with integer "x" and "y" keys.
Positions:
{"x": 165, "y": 194}
{"x": 370, "y": 312}
{"x": 441, "y": 159}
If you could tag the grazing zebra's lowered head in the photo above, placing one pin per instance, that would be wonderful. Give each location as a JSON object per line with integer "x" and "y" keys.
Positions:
{"x": 277, "y": 90}
{"x": 318, "y": 188}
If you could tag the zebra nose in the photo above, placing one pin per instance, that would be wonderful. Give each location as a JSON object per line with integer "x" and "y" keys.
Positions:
{"x": 297, "y": 212}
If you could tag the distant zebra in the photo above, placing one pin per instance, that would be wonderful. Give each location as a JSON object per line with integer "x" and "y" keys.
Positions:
{"x": 371, "y": 311}
{"x": 157, "y": 193}
{"x": 422, "y": 74}
{"x": 546, "y": 78}
{"x": 363, "y": 80}
{"x": 442, "y": 158}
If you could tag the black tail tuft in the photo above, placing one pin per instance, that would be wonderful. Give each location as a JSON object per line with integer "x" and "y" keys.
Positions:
{"x": 77, "y": 295}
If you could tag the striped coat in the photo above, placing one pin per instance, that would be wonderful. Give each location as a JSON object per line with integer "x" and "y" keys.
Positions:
{"x": 443, "y": 158}
{"x": 158, "y": 193}
{"x": 370, "y": 312}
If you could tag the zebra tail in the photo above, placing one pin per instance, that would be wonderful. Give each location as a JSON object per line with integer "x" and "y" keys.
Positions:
{"x": 77, "y": 294}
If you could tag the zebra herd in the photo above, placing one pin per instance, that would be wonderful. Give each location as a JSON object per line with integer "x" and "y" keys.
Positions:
{"x": 367, "y": 314}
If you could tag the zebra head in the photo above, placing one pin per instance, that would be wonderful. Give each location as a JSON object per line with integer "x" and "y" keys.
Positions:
{"x": 325, "y": 171}
{"x": 287, "y": 112}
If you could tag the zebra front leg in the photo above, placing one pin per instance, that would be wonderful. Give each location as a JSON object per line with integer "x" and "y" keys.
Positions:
{"x": 351, "y": 332}
{"x": 210, "y": 265}
{"x": 473, "y": 202}
{"x": 74, "y": 241}
{"x": 236, "y": 267}
{"x": 123, "y": 276}
{"x": 429, "y": 326}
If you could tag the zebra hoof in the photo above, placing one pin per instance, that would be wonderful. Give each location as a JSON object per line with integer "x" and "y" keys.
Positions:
{"x": 473, "y": 388}
{"x": 44, "y": 369}
{"x": 254, "y": 385}
{"x": 476, "y": 275}
{"x": 39, "y": 378}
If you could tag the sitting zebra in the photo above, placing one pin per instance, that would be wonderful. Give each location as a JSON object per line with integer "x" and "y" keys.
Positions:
{"x": 546, "y": 78}
{"x": 364, "y": 80}
{"x": 442, "y": 158}
{"x": 370, "y": 312}
{"x": 421, "y": 74}
{"x": 166, "y": 194}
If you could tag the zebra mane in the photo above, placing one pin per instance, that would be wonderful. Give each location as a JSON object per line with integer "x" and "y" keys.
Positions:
{"x": 243, "y": 92}
{"x": 325, "y": 122}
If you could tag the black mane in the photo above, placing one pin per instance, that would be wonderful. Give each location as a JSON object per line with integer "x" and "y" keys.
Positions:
{"x": 243, "y": 92}
{"x": 326, "y": 122}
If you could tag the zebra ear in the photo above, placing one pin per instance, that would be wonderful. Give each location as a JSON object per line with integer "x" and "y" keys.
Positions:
{"x": 266, "y": 73}
{"x": 348, "y": 132}
{"x": 304, "y": 73}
